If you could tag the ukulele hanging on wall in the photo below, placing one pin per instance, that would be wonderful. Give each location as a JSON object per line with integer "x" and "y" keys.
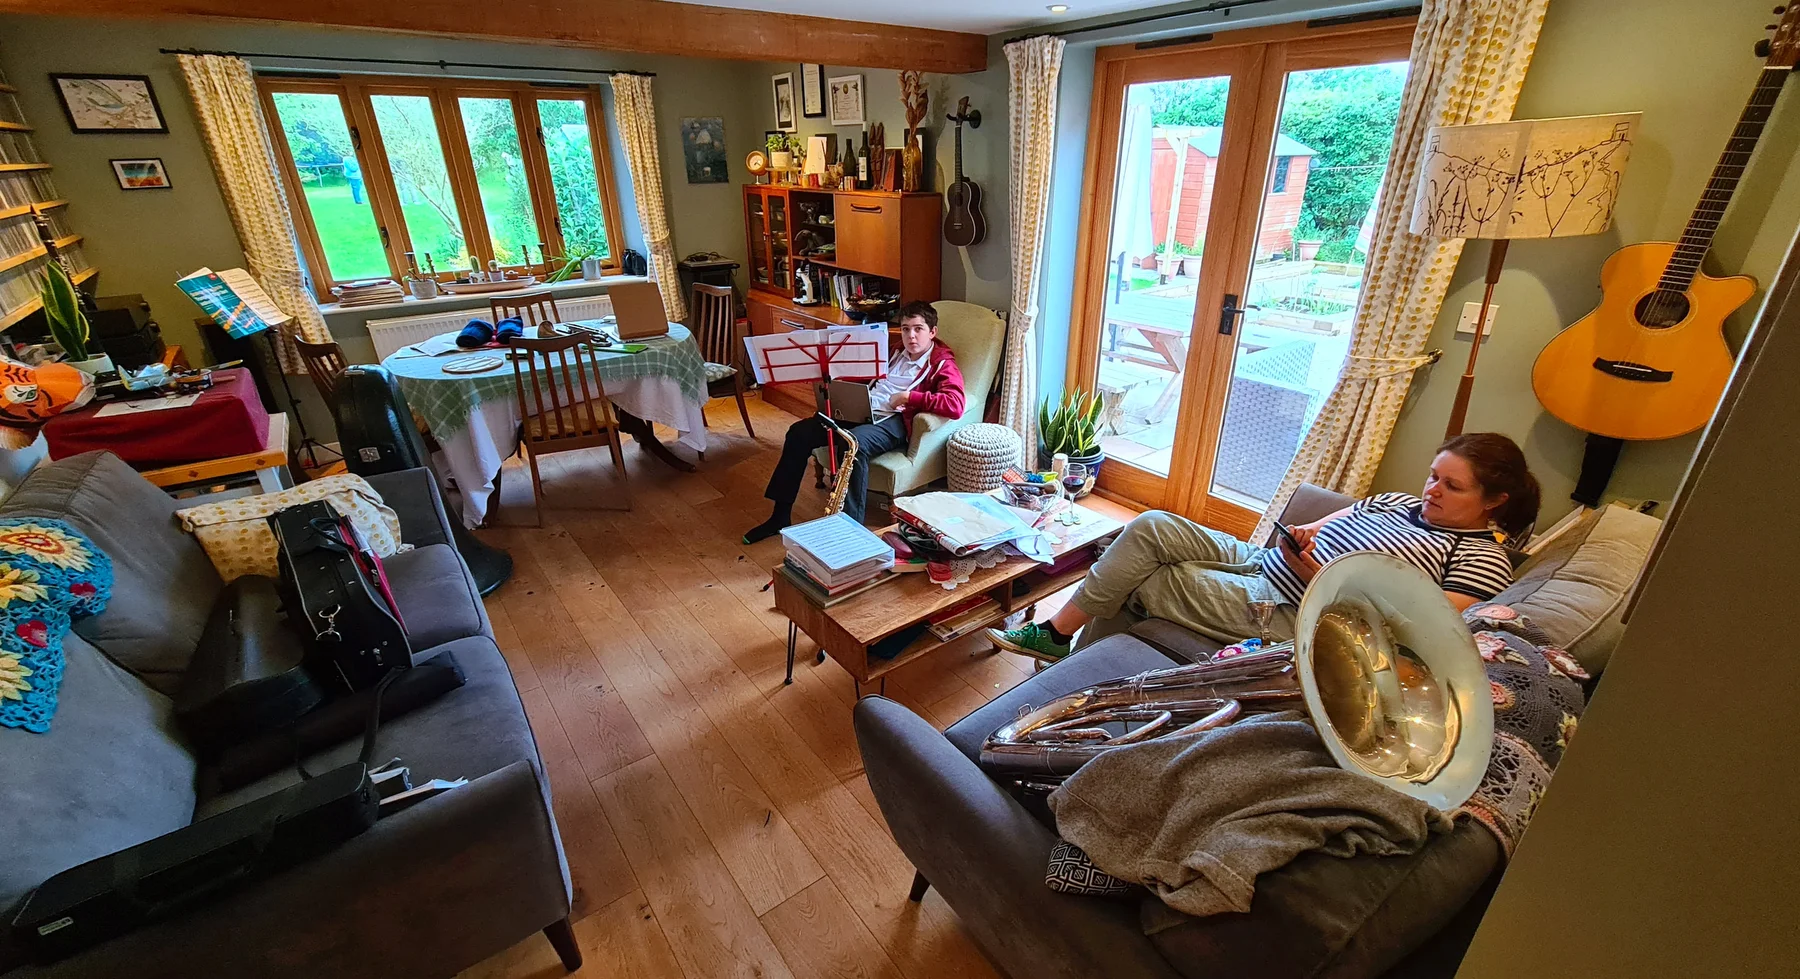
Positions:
{"x": 963, "y": 223}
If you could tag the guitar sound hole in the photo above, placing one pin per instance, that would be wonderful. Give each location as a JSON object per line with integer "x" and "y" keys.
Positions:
{"x": 1662, "y": 309}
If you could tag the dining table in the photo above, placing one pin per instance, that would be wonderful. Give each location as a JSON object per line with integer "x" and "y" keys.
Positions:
{"x": 474, "y": 417}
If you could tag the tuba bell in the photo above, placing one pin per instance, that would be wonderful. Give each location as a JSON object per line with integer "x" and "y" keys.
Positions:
{"x": 1382, "y": 662}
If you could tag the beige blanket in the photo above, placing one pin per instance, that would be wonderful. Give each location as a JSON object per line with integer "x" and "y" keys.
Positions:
{"x": 1197, "y": 818}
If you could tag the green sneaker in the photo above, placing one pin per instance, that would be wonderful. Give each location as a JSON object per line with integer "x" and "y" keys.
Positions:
{"x": 1032, "y": 639}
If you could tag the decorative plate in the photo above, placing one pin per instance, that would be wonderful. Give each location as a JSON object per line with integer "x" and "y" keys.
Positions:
{"x": 504, "y": 285}
{"x": 473, "y": 365}
{"x": 757, "y": 162}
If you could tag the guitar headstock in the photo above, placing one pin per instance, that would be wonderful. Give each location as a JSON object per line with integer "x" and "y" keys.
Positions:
{"x": 965, "y": 114}
{"x": 1782, "y": 49}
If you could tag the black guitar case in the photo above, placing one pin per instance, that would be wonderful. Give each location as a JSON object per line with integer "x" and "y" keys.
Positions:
{"x": 377, "y": 435}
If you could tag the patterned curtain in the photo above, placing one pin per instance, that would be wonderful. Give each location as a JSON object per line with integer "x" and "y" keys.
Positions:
{"x": 237, "y": 139}
{"x": 1036, "y": 62}
{"x": 1468, "y": 62}
{"x": 637, "y": 129}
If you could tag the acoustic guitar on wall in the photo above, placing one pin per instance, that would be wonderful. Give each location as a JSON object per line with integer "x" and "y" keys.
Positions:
{"x": 963, "y": 223}
{"x": 1651, "y": 361}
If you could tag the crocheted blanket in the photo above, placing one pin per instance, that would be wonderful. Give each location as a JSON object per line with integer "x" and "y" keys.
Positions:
{"x": 1538, "y": 699}
{"x": 49, "y": 574}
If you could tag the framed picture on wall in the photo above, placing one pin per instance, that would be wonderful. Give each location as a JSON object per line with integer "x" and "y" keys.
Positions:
{"x": 812, "y": 91}
{"x": 786, "y": 117}
{"x": 146, "y": 174}
{"x": 703, "y": 147}
{"x": 109, "y": 103}
{"x": 847, "y": 100}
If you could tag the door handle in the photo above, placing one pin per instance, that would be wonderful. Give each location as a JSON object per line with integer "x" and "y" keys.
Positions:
{"x": 1229, "y": 312}
{"x": 867, "y": 208}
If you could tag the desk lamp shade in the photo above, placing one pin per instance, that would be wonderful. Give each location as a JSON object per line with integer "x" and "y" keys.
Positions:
{"x": 1536, "y": 178}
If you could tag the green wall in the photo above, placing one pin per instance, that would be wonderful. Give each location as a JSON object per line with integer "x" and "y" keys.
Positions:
{"x": 980, "y": 274}
{"x": 1592, "y": 59}
{"x": 142, "y": 241}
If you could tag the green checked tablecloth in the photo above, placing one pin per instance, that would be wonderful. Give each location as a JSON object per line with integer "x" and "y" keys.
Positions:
{"x": 447, "y": 401}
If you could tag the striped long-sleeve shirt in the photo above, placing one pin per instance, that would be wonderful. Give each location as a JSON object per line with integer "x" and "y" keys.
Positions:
{"x": 1467, "y": 562}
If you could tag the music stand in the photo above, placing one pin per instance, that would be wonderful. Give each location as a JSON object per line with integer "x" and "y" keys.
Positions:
{"x": 850, "y": 353}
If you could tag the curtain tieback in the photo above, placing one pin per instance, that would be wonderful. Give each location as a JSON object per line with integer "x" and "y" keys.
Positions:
{"x": 1374, "y": 368}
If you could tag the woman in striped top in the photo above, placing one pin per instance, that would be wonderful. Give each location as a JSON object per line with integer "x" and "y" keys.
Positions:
{"x": 1168, "y": 567}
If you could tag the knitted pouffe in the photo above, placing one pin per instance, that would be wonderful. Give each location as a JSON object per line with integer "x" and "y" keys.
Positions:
{"x": 978, "y": 455}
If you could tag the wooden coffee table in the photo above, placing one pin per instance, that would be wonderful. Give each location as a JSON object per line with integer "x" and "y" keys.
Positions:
{"x": 846, "y": 630}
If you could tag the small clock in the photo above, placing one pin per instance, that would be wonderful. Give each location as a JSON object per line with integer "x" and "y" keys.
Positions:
{"x": 757, "y": 162}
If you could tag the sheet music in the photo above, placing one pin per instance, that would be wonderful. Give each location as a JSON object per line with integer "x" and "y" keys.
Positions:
{"x": 837, "y": 541}
{"x": 851, "y": 353}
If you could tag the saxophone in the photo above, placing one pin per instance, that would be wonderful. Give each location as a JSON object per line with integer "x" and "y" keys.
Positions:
{"x": 841, "y": 487}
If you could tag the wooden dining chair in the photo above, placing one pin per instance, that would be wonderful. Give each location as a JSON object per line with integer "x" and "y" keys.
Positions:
{"x": 532, "y": 308}
{"x": 722, "y": 347}
{"x": 325, "y": 363}
{"x": 562, "y": 406}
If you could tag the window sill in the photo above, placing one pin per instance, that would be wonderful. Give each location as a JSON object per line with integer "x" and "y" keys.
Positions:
{"x": 335, "y": 313}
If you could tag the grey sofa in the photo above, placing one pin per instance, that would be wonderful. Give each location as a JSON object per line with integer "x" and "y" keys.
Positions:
{"x": 986, "y": 851}
{"x": 426, "y": 892}
{"x": 1319, "y": 917}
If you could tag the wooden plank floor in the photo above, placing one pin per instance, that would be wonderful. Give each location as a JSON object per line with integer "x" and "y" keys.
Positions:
{"x": 717, "y": 822}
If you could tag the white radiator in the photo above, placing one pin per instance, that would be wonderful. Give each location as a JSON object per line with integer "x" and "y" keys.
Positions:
{"x": 390, "y": 335}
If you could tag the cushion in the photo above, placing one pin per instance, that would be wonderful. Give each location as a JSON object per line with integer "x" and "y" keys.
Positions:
{"x": 163, "y": 585}
{"x": 1072, "y": 871}
{"x": 49, "y": 574}
{"x": 719, "y": 372}
{"x": 435, "y": 595}
{"x": 110, "y": 773}
{"x": 1574, "y": 589}
{"x": 238, "y": 539}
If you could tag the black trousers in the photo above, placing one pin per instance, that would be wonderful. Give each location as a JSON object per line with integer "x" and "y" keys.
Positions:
{"x": 808, "y": 434}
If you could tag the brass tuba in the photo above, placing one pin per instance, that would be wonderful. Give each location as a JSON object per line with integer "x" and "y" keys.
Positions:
{"x": 1382, "y": 662}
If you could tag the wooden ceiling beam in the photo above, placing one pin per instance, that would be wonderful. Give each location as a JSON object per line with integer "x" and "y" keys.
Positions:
{"x": 642, "y": 26}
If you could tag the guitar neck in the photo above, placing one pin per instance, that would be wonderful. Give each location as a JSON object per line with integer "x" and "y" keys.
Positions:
{"x": 959, "y": 175}
{"x": 1697, "y": 238}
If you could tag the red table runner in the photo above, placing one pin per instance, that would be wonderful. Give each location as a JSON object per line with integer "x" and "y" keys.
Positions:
{"x": 228, "y": 420}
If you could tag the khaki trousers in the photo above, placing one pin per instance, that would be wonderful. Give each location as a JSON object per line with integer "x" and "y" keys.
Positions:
{"x": 1164, "y": 566}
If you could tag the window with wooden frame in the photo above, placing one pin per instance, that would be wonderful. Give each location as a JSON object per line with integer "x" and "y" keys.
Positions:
{"x": 388, "y": 176}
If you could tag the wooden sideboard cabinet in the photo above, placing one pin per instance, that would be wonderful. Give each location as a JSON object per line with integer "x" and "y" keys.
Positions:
{"x": 890, "y": 241}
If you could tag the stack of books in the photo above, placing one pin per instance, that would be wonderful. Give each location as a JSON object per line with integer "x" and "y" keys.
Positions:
{"x": 369, "y": 292}
{"x": 835, "y": 557}
{"x": 963, "y": 618}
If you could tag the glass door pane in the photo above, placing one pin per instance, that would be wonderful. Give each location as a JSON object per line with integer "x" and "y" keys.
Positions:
{"x": 331, "y": 180}
{"x": 1333, "y": 139}
{"x": 568, "y": 142}
{"x": 759, "y": 241}
{"x": 1162, "y": 198}
{"x": 493, "y": 136}
{"x": 409, "y": 134}
{"x": 778, "y": 241}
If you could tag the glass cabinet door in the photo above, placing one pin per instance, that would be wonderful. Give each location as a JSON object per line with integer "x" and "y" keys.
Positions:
{"x": 756, "y": 224}
{"x": 778, "y": 242}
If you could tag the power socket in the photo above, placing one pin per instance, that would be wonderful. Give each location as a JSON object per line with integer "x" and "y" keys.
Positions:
{"x": 1465, "y": 327}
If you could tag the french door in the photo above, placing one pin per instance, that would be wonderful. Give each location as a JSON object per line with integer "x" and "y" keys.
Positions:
{"x": 1231, "y": 188}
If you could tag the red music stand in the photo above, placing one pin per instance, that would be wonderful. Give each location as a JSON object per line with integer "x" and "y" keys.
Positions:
{"x": 817, "y": 356}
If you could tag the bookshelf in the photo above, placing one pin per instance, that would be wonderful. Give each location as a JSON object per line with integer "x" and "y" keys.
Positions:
{"x": 34, "y": 224}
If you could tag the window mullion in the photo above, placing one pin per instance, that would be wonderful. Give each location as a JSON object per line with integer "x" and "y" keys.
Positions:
{"x": 537, "y": 170}
{"x": 378, "y": 179}
{"x": 462, "y": 175}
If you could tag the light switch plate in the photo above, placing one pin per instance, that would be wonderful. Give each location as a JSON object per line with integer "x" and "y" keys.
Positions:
{"x": 1465, "y": 327}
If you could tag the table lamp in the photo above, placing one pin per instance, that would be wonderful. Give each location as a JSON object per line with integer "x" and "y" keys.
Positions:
{"x": 1535, "y": 178}
{"x": 817, "y": 149}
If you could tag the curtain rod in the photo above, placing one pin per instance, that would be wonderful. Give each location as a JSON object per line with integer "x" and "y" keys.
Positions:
{"x": 440, "y": 64}
{"x": 1227, "y": 6}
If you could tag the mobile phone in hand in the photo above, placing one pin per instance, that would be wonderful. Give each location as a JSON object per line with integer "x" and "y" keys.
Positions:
{"x": 1288, "y": 535}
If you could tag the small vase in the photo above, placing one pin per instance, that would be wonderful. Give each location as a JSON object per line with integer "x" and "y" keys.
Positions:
{"x": 423, "y": 288}
{"x": 781, "y": 160}
{"x": 99, "y": 364}
{"x": 590, "y": 269}
{"x": 912, "y": 167}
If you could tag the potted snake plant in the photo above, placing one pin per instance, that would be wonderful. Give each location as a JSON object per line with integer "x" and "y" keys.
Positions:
{"x": 68, "y": 324}
{"x": 1071, "y": 425}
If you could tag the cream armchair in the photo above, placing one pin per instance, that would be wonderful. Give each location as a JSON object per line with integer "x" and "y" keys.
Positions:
{"x": 978, "y": 337}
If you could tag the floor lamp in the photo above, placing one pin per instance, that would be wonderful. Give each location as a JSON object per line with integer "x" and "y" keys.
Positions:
{"x": 1538, "y": 178}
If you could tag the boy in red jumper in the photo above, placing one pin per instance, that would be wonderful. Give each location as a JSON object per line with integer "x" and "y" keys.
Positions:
{"x": 922, "y": 376}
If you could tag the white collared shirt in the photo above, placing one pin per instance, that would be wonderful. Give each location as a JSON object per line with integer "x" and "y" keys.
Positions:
{"x": 903, "y": 374}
